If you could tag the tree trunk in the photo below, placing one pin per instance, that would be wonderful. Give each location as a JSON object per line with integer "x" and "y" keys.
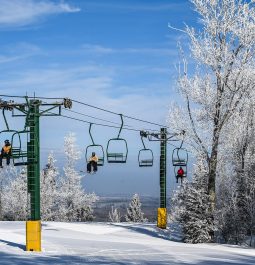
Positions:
{"x": 212, "y": 173}
{"x": 214, "y": 153}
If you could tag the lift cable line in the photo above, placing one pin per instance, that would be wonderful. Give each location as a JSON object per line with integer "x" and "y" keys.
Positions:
{"x": 93, "y": 117}
{"x": 99, "y": 124}
{"x": 91, "y": 106}
{"x": 115, "y": 113}
{"x": 110, "y": 126}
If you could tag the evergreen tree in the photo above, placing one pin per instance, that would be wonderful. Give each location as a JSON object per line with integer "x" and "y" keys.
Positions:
{"x": 134, "y": 212}
{"x": 114, "y": 215}
{"x": 191, "y": 208}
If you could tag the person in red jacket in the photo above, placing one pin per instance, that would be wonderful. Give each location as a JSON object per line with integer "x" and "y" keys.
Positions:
{"x": 180, "y": 174}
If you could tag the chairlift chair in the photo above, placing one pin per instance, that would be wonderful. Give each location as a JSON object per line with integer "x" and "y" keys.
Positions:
{"x": 180, "y": 157}
{"x": 117, "y": 157}
{"x": 145, "y": 162}
{"x": 145, "y": 155}
{"x": 92, "y": 148}
{"x": 19, "y": 154}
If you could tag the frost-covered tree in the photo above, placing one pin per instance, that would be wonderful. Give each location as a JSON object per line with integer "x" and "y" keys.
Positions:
{"x": 228, "y": 217}
{"x": 190, "y": 208}
{"x": 235, "y": 204}
{"x": 73, "y": 203}
{"x": 114, "y": 215}
{"x": 15, "y": 196}
{"x": 223, "y": 52}
{"x": 134, "y": 211}
{"x": 49, "y": 187}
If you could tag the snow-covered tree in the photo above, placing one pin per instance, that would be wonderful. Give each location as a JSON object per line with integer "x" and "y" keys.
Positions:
{"x": 49, "y": 186}
{"x": 134, "y": 211}
{"x": 228, "y": 217}
{"x": 114, "y": 215}
{"x": 15, "y": 206}
{"x": 223, "y": 52}
{"x": 190, "y": 208}
{"x": 73, "y": 203}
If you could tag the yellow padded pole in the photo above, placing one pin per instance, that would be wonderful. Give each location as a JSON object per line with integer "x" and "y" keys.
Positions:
{"x": 33, "y": 235}
{"x": 162, "y": 218}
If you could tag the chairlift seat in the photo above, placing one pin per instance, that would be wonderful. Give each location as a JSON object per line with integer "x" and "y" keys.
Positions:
{"x": 146, "y": 163}
{"x": 183, "y": 176}
{"x": 116, "y": 158}
{"x": 100, "y": 161}
{"x": 21, "y": 164}
{"x": 179, "y": 162}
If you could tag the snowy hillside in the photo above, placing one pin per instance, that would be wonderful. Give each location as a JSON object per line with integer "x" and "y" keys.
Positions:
{"x": 98, "y": 243}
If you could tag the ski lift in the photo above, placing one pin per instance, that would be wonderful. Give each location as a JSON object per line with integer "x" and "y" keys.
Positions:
{"x": 145, "y": 155}
{"x": 18, "y": 155}
{"x": 180, "y": 161}
{"x": 94, "y": 148}
{"x": 115, "y": 144}
{"x": 19, "y": 152}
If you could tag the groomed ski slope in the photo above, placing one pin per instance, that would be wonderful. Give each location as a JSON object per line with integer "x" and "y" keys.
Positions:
{"x": 100, "y": 243}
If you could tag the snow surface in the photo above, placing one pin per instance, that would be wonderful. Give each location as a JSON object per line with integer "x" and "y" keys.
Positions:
{"x": 120, "y": 243}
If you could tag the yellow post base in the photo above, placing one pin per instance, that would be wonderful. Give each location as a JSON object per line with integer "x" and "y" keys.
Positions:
{"x": 33, "y": 235}
{"x": 162, "y": 218}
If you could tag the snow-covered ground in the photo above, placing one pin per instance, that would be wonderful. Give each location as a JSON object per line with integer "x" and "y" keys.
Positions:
{"x": 100, "y": 243}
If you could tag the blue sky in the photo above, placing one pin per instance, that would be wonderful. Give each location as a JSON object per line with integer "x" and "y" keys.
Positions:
{"x": 116, "y": 54}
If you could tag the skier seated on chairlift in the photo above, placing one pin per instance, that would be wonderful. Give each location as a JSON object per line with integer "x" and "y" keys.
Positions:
{"x": 92, "y": 163}
{"x": 180, "y": 174}
{"x": 5, "y": 152}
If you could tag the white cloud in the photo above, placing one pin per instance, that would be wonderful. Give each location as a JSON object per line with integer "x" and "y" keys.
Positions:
{"x": 152, "y": 7}
{"x": 19, "y": 51}
{"x": 24, "y": 12}
{"x": 98, "y": 49}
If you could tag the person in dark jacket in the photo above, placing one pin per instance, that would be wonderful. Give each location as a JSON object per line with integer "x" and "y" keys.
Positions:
{"x": 5, "y": 152}
{"x": 92, "y": 163}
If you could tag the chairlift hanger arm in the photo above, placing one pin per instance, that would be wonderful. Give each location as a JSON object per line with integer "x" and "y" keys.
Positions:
{"x": 90, "y": 125}
{"x": 121, "y": 126}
